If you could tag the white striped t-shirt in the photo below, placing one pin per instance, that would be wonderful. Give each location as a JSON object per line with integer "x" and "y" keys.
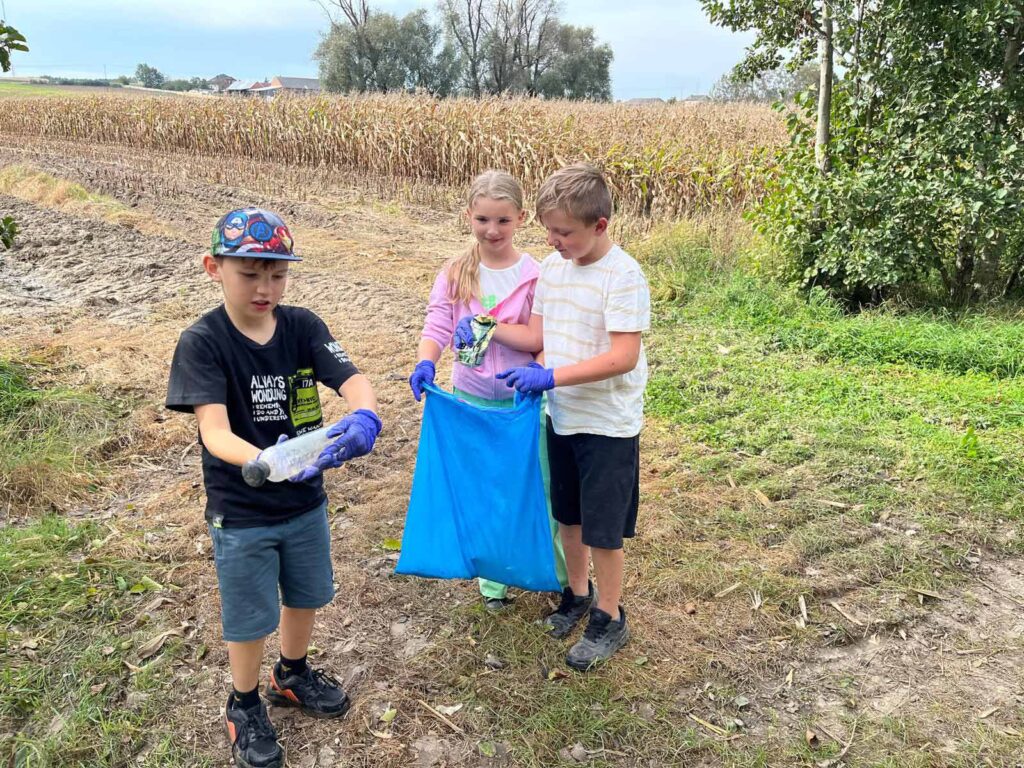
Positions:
{"x": 580, "y": 306}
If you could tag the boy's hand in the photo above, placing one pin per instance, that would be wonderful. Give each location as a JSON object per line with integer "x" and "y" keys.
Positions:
{"x": 530, "y": 378}
{"x": 356, "y": 434}
{"x": 464, "y": 333}
{"x": 422, "y": 374}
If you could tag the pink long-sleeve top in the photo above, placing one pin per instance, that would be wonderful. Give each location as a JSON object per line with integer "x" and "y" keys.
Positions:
{"x": 443, "y": 314}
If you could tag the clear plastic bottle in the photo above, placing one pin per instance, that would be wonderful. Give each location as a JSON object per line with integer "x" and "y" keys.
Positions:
{"x": 287, "y": 459}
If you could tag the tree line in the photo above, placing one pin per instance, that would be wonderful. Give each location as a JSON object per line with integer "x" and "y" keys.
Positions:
{"x": 781, "y": 84}
{"x": 151, "y": 77}
{"x": 469, "y": 47}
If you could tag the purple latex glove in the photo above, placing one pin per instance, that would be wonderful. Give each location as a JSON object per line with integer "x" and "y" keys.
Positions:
{"x": 530, "y": 378}
{"x": 354, "y": 436}
{"x": 422, "y": 374}
{"x": 464, "y": 333}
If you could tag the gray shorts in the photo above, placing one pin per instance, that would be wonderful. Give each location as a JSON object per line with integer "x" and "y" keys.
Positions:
{"x": 253, "y": 563}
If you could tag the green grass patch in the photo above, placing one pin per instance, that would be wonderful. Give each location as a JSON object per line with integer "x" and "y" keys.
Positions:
{"x": 829, "y": 455}
{"x": 915, "y": 415}
{"x": 67, "y": 694}
{"x": 41, "y": 187}
{"x": 986, "y": 342}
{"x": 44, "y": 189}
{"x": 10, "y": 90}
{"x": 52, "y": 437}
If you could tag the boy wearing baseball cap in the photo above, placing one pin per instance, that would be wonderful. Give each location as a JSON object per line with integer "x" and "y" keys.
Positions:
{"x": 249, "y": 371}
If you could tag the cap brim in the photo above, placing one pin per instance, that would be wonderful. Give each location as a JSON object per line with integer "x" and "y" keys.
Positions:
{"x": 261, "y": 255}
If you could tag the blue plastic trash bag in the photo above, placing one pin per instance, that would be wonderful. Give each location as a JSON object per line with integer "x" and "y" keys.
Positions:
{"x": 477, "y": 506}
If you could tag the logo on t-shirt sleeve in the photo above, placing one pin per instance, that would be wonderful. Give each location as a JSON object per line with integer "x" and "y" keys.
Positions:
{"x": 339, "y": 354}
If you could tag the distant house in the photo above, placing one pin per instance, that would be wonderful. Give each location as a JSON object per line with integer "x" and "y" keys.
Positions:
{"x": 220, "y": 82}
{"x": 654, "y": 100}
{"x": 245, "y": 87}
{"x": 239, "y": 87}
{"x": 296, "y": 84}
{"x": 292, "y": 85}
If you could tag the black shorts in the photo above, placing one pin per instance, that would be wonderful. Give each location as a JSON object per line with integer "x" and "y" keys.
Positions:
{"x": 595, "y": 482}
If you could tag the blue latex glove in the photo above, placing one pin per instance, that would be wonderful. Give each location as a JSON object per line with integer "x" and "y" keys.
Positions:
{"x": 464, "y": 332}
{"x": 422, "y": 374}
{"x": 354, "y": 436}
{"x": 528, "y": 379}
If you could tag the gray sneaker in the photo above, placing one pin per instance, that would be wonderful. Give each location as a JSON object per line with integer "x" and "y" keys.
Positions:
{"x": 497, "y": 604}
{"x": 570, "y": 610}
{"x": 600, "y": 640}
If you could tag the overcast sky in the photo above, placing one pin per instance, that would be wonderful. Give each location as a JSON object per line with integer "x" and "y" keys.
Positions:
{"x": 662, "y": 48}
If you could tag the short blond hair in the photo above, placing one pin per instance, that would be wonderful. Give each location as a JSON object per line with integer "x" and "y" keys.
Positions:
{"x": 579, "y": 190}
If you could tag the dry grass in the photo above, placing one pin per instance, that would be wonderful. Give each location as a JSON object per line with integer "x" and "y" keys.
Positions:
{"x": 39, "y": 187}
{"x": 664, "y": 161}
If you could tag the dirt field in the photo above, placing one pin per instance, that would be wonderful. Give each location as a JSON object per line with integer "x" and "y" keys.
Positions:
{"x": 114, "y": 297}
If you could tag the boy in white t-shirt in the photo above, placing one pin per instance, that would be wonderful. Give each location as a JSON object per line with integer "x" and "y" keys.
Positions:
{"x": 591, "y": 306}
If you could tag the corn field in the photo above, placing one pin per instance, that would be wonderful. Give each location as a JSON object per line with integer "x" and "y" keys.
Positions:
{"x": 661, "y": 160}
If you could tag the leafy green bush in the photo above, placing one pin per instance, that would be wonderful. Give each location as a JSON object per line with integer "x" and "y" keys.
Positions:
{"x": 8, "y": 229}
{"x": 928, "y": 160}
{"x": 912, "y": 173}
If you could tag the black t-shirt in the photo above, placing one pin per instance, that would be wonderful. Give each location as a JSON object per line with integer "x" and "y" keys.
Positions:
{"x": 269, "y": 390}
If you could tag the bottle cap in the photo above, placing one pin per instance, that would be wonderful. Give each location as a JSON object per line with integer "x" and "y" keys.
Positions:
{"x": 255, "y": 472}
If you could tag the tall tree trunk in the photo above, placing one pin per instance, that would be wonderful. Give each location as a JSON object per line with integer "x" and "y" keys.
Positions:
{"x": 963, "y": 290}
{"x": 823, "y": 135}
{"x": 1014, "y": 279}
{"x": 1011, "y": 55}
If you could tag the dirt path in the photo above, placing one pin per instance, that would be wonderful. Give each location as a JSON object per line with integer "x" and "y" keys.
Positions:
{"x": 115, "y": 297}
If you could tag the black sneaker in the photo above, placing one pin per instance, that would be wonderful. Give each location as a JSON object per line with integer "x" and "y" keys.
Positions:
{"x": 570, "y": 610}
{"x": 252, "y": 735}
{"x": 600, "y": 640}
{"x": 315, "y": 692}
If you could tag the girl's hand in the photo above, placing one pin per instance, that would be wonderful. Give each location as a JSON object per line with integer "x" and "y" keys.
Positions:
{"x": 422, "y": 375}
{"x": 464, "y": 333}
